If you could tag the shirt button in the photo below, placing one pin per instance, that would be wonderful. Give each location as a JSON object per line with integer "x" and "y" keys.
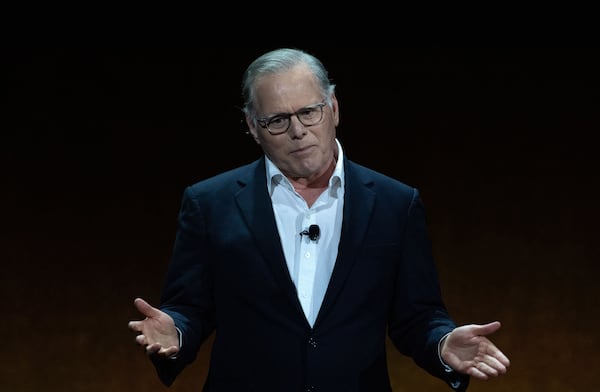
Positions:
{"x": 307, "y": 255}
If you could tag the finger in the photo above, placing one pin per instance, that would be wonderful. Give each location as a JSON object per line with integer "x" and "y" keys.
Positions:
{"x": 496, "y": 364}
{"x": 153, "y": 348}
{"x": 141, "y": 340}
{"x": 482, "y": 370}
{"x": 476, "y": 373}
{"x": 487, "y": 369}
{"x": 135, "y": 326}
{"x": 145, "y": 308}
{"x": 489, "y": 328}
{"x": 491, "y": 351}
{"x": 169, "y": 351}
{"x": 157, "y": 349}
{"x": 498, "y": 356}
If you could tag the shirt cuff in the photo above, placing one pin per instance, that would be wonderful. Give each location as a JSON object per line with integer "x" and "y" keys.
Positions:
{"x": 447, "y": 368}
{"x": 180, "y": 335}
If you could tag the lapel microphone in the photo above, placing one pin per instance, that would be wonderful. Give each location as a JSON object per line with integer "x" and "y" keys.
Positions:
{"x": 313, "y": 232}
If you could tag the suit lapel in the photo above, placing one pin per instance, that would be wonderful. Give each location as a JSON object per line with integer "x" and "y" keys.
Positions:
{"x": 358, "y": 205}
{"x": 255, "y": 206}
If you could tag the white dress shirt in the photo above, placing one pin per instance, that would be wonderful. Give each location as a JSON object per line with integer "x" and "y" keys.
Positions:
{"x": 309, "y": 263}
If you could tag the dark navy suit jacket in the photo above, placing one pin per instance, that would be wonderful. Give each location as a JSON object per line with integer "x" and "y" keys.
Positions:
{"x": 228, "y": 274}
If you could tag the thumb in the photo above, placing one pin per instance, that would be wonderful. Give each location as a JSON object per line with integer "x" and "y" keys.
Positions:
{"x": 487, "y": 329}
{"x": 145, "y": 308}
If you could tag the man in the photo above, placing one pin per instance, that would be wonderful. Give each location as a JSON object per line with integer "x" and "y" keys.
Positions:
{"x": 303, "y": 261}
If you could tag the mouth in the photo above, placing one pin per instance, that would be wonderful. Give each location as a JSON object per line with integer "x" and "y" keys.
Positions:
{"x": 302, "y": 150}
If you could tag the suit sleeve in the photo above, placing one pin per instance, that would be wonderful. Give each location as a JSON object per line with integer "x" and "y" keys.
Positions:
{"x": 419, "y": 317}
{"x": 187, "y": 294}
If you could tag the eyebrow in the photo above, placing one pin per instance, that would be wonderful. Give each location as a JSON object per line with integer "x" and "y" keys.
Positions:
{"x": 271, "y": 116}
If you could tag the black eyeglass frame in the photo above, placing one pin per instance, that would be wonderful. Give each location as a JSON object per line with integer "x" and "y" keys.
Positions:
{"x": 265, "y": 122}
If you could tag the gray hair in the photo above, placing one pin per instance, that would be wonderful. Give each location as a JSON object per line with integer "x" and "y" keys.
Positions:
{"x": 276, "y": 61}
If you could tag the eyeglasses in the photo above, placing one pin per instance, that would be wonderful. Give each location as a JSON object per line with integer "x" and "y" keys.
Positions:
{"x": 280, "y": 123}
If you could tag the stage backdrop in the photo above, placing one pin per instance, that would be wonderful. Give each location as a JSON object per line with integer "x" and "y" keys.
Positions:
{"x": 98, "y": 145}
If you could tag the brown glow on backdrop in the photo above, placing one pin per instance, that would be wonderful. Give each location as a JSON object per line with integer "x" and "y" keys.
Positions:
{"x": 98, "y": 145}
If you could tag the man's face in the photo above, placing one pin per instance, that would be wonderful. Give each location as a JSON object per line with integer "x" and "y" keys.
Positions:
{"x": 302, "y": 151}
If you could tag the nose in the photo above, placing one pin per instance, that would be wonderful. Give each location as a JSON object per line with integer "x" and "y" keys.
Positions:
{"x": 297, "y": 129}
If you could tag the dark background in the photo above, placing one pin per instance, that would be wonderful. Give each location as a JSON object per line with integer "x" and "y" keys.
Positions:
{"x": 97, "y": 145}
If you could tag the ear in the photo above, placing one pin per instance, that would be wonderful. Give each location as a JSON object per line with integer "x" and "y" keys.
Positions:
{"x": 335, "y": 108}
{"x": 252, "y": 129}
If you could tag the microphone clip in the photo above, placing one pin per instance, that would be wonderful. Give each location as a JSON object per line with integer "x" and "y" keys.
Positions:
{"x": 313, "y": 232}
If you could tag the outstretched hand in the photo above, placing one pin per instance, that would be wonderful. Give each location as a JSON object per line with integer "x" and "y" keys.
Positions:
{"x": 157, "y": 332}
{"x": 467, "y": 350}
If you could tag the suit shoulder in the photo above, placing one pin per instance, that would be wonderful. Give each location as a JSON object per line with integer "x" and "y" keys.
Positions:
{"x": 224, "y": 180}
{"x": 379, "y": 179}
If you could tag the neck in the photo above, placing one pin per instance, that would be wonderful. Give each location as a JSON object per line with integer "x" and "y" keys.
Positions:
{"x": 311, "y": 189}
{"x": 320, "y": 181}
